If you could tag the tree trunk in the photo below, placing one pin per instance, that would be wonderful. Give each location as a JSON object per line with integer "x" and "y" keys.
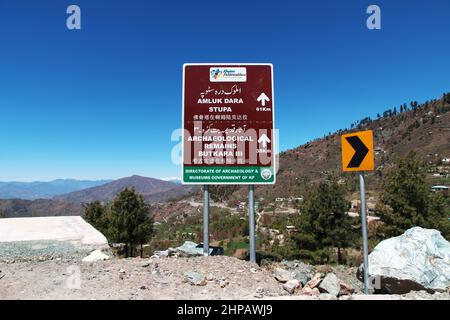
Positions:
{"x": 339, "y": 255}
{"x": 142, "y": 251}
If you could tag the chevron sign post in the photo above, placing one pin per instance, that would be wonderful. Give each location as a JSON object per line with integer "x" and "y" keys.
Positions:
{"x": 357, "y": 155}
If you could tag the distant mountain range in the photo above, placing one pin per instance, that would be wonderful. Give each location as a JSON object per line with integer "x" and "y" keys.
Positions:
{"x": 18, "y": 208}
{"x": 72, "y": 203}
{"x": 172, "y": 179}
{"x": 44, "y": 190}
{"x": 148, "y": 187}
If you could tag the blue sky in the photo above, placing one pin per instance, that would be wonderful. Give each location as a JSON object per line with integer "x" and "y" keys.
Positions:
{"x": 102, "y": 102}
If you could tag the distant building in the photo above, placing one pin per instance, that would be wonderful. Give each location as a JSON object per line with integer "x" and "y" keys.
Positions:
{"x": 295, "y": 199}
{"x": 443, "y": 189}
{"x": 437, "y": 174}
{"x": 291, "y": 229}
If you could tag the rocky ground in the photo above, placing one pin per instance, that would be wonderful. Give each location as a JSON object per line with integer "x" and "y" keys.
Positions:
{"x": 163, "y": 278}
{"x": 217, "y": 277}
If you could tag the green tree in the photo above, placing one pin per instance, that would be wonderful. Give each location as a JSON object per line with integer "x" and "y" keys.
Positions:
{"x": 407, "y": 201}
{"x": 129, "y": 220}
{"x": 324, "y": 224}
{"x": 97, "y": 215}
{"x": 2, "y": 214}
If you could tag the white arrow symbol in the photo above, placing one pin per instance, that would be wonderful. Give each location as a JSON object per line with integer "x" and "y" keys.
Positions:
{"x": 264, "y": 140}
{"x": 263, "y": 98}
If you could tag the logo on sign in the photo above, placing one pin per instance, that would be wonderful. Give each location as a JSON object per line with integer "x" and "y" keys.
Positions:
{"x": 227, "y": 74}
{"x": 266, "y": 174}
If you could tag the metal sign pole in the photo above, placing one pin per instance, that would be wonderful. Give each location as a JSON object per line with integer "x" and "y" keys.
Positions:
{"x": 364, "y": 231}
{"x": 205, "y": 220}
{"x": 251, "y": 223}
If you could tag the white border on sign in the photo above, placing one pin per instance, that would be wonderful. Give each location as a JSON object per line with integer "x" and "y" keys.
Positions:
{"x": 273, "y": 125}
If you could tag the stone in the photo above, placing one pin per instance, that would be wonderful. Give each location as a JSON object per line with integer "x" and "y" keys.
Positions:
{"x": 282, "y": 275}
{"x": 345, "y": 289}
{"x": 291, "y": 285}
{"x": 314, "y": 282}
{"x": 241, "y": 254}
{"x": 253, "y": 270}
{"x": 189, "y": 249}
{"x": 223, "y": 283}
{"x": 327, "y": 296}
{"x": 96, "y": 255}
{"x": 302, "y": 277}
{"x": 330, "y": 284}
{"x": 289, "y": 264}
{"x": 160, "y": 254}
{"x": 195, "y": 278}
{"x": 419, "y": 259}
{"x": 324, "y": 269}
{"x": 310, "y": 292}
{"x": 145, "y": 264}
{"x": 64, "y": 229}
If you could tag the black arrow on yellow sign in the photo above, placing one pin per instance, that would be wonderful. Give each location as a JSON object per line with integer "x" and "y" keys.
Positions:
{"x": 360, "y": 151}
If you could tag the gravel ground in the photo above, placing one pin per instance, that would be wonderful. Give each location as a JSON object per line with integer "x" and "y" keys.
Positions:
{"x": 42, "y": 250}
{"x": 164, "y": 278}
{"x": 133, "y": 279}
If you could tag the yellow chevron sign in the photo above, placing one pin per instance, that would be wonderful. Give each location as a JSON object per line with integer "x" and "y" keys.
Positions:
{"x": 357, "y": 151}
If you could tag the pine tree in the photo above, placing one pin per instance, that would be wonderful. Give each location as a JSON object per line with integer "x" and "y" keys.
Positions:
{"x": 130, "y": 222}
{"x": 97, "y": 216}
{"x": 324, "y": 224}
{"x": 407, "y": 200}
{"x": 446, "y": 98}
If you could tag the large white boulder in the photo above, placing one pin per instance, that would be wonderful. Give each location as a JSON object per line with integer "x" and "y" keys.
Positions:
{"x": 419, "y": 259}
{"x": 96, "y": 255}
{"x": 45, "y": 238}
{"x": 72, "y": 229}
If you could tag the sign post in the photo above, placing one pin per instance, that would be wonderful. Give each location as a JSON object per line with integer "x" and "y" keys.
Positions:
{"x": 357, "y": 155}
{"x": 364, "y": 232}
{"x": 228, "y": 130}
{"x": 251, "y": 221}
{"x": 205, "y": 220}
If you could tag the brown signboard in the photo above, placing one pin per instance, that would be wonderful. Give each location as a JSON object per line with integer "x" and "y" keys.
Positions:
{"x": 228, "y": 124}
